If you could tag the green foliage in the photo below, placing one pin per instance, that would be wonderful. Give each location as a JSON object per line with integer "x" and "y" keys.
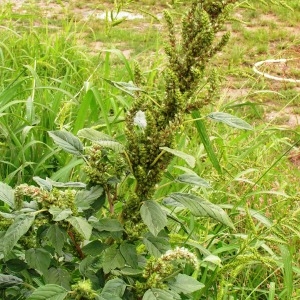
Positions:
{"x": 97, "y": 223}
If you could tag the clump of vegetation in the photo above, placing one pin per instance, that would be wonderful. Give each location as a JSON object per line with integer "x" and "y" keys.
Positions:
{"x": 100, "y": 228}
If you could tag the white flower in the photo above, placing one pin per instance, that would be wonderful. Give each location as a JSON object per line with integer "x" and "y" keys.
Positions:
{"x": 140, "y": 119}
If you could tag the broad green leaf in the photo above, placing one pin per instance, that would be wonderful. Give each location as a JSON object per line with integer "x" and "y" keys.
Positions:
{"x": 185, "y": 284}
{"x": 49, "y": 292}
{"x": 9, "y": 280}
{"x": 189, "y": 159}
{"x": 58, "y": 276}
{"x": 216, "y": 260}
{"x": 38, "y": 259}
{"x": 86, "y": 265}
{"x": 115, "y": 287}
{"x": 60, "y": 214}
{"x": 67, "y": 141}
{"x": 112, "y": 259}
{"x": 7, "y": 195}
{"x": 15, "y": 231}
{"x": 156, "y": 245}
{"x": 158, "y": 294}
{"x": 129, "y": 253}
{"x": 153, "y": 216}
{"x": 84, "y": 199}
{"x": 206, "y": 141}
{"x": 100, "y": 138}
{"x": 108, "y": 225}
{"x": 94, "y": 248}
{"x": 57, "y": 237}
{"x": 201, "y": 207}
{"x": 81, "y": 226}
{"x": 16, "y": 265}
{"x": 193, "y": 179}
{"x": 230, "y": 120}
{"x": 108, "y": 296}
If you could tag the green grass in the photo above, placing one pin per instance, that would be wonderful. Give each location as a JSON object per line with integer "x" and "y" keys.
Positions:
{"x": 45, "y": 65}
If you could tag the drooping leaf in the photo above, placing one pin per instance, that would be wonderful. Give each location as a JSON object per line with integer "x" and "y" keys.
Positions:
{"x": 201, "y": 207}
{"x": 9, "y": 280}
{"x": 107, "y": 224}
{"x": 193, "y": 179}
{"x": 185, "y": 284}
{"x": 57, "y": 237}
{"x": 129, "y": 253}
{"x": 58, "y": 276}
{"x": 49, "y": 292}
{"x": 100, "y": 138}
{"x": 153, "y": 216}
{"x": 230, "y": 120}
{"x": 114, "y": 287}
{"x": 39, "y": 259}
{"x": 112, "y": 259}
{"x": 158, "y": 294}
{"x": 205, "y": 140}
{"x": 156, "y": 245}
{"x": 15, "y": 231}
{"x": 7, "y": 194}
{"x": 60, "y": 214}
{"x": 67, "y": 141}
{"x": 81, "y": 226}
{"x": 189, "y": 159}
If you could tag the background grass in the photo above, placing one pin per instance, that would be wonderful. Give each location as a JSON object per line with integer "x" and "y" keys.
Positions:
{"x": 53, "y": 59}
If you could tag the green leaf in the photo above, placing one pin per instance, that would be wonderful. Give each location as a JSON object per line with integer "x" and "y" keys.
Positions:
{"x": 114, "y": 287}
{"x": 189, "y": 159}
{"x": 86, "y": 265}
{"x": 153, "y": 216}
{"x": 15, "y": 231}
{"x": 84, "y": 199}
{"x": 201, "y": 207}
{"x": 107, "y": 224}
{"x": 81, "y": 226}
{"x": 112, "y": 259}
{"x": 67, "y": 141}
{"x": 94, "y": 248}
{"x": 185, "y": 284}
{"x": 16, "y": 265}
{"x": 158, "y": 294}
{"x": 129, "y": 253}
{"x": 127, "y": 87}
{"x": 101, "y": 138}
{"x": 156, "y": 245}
{"x": 230, "y": 120}
{"x": 7, "y": 195}
{"x": 193, "y": 179}
{"x": 206, "y": 141}
{"x": 9, "y": 280}
{"x": 43, "y": 183}
{"x": 38, "y": 259}
{"x": 57, "y": 237}
{"x": 58, "y": 276}
{"x": 49, "y": 292}
{"x": 60, "y": 214}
